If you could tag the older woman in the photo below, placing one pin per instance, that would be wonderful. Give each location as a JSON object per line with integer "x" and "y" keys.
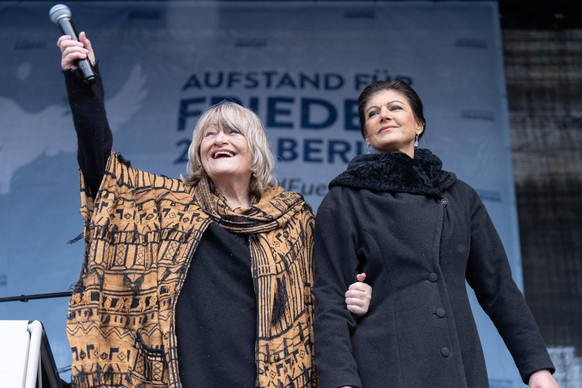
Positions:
{"x": 419, "y": 233}
{"x": 204, "y": 282}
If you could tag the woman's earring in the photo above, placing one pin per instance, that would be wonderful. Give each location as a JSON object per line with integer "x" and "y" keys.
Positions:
{"x": 369, "y": 148}
{"x": 416, "y": 140}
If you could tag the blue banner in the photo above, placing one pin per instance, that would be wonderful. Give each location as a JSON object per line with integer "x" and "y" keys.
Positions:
{"x": 300, "y": 66}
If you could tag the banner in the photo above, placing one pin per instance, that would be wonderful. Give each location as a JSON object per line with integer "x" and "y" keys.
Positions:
{"x": 299, "y": 65}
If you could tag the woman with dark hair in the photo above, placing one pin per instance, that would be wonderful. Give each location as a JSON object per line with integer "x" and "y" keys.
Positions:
{"x": 419, "y": 233}
{"x": 200, "y": 282}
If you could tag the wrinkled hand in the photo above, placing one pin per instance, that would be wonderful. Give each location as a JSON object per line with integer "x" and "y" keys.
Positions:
{"x": 358, "y": 296}
{"x": 542, "y": 379}
{"x": 72, "y": 51}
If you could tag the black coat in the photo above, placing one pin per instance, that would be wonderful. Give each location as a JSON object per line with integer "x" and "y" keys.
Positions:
{"x": 418, "y": 233}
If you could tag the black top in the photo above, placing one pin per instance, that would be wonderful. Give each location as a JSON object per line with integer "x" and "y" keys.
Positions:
{"x": 94, "y": 136}
{"x": 216, "y": 310}
{"x": 216, "y": 314}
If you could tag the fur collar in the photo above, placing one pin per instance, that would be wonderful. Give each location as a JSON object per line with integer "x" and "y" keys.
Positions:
{"x": 397, "y": 172}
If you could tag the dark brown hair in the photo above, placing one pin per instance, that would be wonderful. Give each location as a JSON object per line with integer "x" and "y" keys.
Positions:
{"x": 398, "y": 86}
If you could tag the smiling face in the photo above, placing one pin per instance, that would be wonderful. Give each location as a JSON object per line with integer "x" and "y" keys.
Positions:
{"x": 239, "y": 132}
{"x": 225, "y": 154}
{"x": 390, "y": 124}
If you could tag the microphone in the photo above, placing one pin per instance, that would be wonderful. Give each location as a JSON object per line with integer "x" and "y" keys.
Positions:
{"x": 60, "y": 14}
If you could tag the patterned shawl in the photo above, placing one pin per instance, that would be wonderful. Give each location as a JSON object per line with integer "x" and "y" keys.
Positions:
{"x": 280, "y": 230}
{"x": 140, "y": 234}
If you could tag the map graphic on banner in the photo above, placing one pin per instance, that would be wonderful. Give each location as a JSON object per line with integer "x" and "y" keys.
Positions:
{"x": 299, "y": 66}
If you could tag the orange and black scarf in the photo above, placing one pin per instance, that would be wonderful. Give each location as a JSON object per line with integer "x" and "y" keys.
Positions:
{"x": 141, "y": 233}
{"x": 280, "y": 230}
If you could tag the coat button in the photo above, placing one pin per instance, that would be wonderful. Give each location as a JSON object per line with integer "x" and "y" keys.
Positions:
{"x": 433, "y": 277}
{"x": 445, "y": 352}
{"x": 440, "y": 312}
{"x": 444, "y": 201}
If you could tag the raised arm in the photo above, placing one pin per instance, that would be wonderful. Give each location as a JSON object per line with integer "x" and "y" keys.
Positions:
{"x": 87, "y": 105}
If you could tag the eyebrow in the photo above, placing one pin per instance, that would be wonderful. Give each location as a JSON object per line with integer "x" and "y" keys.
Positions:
{"x": 388, "y": 103}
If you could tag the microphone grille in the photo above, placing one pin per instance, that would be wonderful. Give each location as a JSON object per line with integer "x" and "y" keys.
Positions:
{"x": 59, "y": 11}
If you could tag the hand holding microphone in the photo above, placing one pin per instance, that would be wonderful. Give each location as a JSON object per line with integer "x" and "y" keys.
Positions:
{"x": 60, "y": 14}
